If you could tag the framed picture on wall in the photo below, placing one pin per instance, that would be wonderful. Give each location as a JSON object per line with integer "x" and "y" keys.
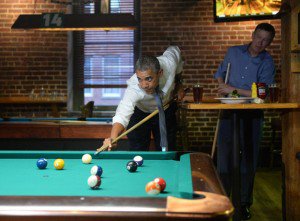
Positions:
{"x": 242, "y": 10}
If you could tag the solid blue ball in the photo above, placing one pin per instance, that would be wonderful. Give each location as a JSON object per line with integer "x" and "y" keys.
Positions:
{"x": 96, "y": 170}
{"x": 42, "y": 163}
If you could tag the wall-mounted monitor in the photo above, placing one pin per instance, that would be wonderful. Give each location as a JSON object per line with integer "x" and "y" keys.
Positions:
{"x": 242, "y": 10}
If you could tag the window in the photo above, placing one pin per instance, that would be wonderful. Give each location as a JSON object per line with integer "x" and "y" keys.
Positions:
{"x": 88, "y": 66}
{"x": 111, "y": 65}
{"x": 104, "y": 60}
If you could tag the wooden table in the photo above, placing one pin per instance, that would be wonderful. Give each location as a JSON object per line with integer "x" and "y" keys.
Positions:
{"x": 236, "y": 198}
{"x": 45, "y": 128}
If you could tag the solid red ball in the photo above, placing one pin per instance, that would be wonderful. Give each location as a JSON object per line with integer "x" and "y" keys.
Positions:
{"x": 161, "y": 182}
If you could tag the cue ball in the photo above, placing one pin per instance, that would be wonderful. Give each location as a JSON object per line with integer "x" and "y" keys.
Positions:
{"x": 138, "y": 160}
{"x": 59, "y": 164}
{"x": 86, "y": 158}
{"x": 131, "y": 166}
{"x": 94, "y": 181}
{"x": 96, "y": 170}
{"x": 153, "y": 188}
{"x": 161, "y": 182}
{"x": 41, "y": 163}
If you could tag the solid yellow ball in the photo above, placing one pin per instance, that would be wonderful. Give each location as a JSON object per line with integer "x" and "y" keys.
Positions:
{"x": 59, "y": 164}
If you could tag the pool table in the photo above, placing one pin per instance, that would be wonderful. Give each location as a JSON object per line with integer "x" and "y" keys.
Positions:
{"x": 54, "y": 128}
{"x": 193, "y": 191}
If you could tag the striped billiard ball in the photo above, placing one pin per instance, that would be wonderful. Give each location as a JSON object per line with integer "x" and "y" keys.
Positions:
{"x": 139, "y": 160}
{"x": 94, "y": 181}
{"x": 96, "y": 170}
{"x": 153, "y": 188}
{"x": 161, "y": 182}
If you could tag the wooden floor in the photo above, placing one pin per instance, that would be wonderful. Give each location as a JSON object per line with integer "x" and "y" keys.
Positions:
{"x": 267, "y": 196}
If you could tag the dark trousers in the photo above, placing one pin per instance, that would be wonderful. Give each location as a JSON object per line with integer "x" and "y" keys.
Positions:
{"x": 250, "y": 135}
{"x": 140, "y": 137}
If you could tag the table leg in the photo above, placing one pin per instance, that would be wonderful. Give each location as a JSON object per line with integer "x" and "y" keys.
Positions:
{"x": 183, "y": 128}
{"x": 54, "y": 109}
{"x": 236, "y": 183}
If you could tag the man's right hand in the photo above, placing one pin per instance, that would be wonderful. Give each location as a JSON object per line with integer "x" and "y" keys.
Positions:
{"x": 108, "y": 142}
{"x": 225, "y": 89}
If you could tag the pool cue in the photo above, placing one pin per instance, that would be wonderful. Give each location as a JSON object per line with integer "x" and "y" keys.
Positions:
{"x": 104, "y": 147}
{"x": 213, "y": 149}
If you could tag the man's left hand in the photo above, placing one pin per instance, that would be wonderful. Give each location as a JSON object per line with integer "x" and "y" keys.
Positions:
{"x": 180, "y": 93}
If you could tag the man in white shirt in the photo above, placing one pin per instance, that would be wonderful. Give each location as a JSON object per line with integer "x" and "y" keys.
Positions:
{"x": 138, "y": 101}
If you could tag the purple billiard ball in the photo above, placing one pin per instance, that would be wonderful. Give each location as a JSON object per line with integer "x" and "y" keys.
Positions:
{"x": 96, "y": 170}
{"x": 42, "y": 163}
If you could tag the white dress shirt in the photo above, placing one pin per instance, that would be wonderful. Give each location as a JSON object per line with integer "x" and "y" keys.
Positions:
{"x": 172, "y": 64}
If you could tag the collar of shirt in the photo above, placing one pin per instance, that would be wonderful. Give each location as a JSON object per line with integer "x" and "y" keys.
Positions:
{"x": 260, "y": 56}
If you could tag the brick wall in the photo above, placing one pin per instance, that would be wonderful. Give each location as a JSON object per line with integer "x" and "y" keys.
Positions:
{"x": 32, "y": 59}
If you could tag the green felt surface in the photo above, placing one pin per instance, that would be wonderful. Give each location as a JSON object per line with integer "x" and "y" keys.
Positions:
{"x": 19, "y": 175}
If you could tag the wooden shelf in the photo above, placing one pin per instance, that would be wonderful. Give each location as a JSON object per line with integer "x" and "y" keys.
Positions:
{"x": 27, "y": 100}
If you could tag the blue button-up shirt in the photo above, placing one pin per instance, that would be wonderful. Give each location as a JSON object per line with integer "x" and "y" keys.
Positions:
{"x": 244, "y": 69}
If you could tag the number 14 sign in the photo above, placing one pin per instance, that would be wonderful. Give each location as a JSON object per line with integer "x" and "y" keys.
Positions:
{"x": 52, "y": 20}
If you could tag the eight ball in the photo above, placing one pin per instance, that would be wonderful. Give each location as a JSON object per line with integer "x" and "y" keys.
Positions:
{"x": 131, "y": 166}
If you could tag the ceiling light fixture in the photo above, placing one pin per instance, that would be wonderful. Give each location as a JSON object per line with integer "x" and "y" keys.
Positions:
{"x": 76, "y": 22}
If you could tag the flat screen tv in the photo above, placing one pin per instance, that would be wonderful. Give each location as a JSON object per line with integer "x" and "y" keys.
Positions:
{"x": 242, "y": 10}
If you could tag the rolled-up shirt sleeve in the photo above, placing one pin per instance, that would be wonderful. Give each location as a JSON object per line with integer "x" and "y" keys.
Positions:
{"x": 173, "y": 55}
{"x": 172, "y": 62}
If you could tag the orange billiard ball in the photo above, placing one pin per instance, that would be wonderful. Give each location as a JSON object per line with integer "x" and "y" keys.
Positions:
{"x": 59, "y": 164}
{"x": 153, "y": 188}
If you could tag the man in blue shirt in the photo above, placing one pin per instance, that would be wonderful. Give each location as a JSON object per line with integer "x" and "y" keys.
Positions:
{"x": 248, "y": 63}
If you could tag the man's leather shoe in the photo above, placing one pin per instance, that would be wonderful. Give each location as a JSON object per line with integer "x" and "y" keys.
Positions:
{"x": 245, "y": 213}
